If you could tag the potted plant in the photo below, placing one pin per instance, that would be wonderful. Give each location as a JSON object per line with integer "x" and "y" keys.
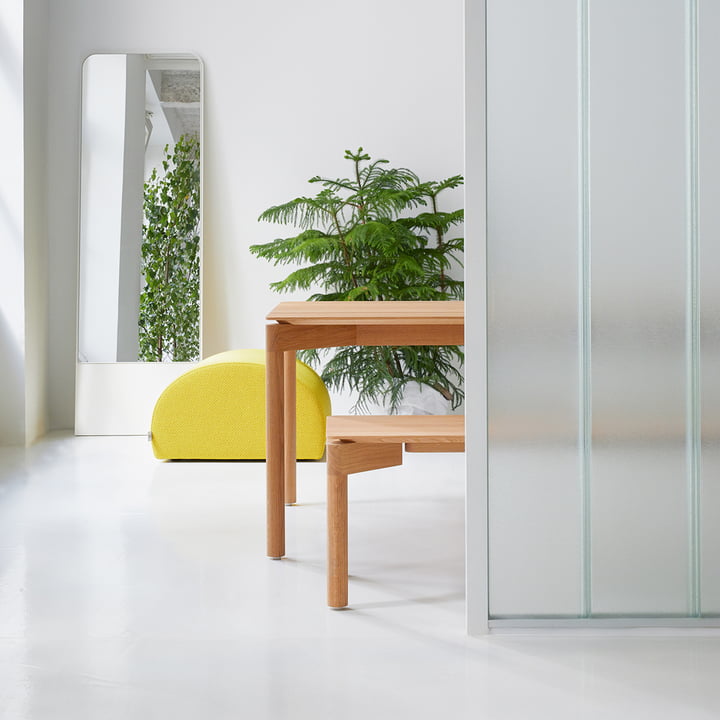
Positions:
{"x": 377, "y": 235}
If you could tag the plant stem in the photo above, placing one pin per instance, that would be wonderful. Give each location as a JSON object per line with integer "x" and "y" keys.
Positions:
{"x": 439, "y": 242}
{"x": 345, "y": 250}
{"x": 388, "y": 364}
{"x": 442, "y": 390}
{"x": 361, "y": 199}
{"x": 398, "y": 364}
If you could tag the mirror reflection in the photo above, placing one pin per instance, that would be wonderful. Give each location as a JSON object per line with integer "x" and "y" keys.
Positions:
{"x": 139, "y": 284}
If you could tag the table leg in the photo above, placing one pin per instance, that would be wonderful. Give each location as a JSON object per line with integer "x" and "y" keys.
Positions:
{"x": 275, "y": 446}
{"x": 290, "y": 428}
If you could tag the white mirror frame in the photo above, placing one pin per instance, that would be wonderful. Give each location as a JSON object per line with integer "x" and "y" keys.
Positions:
{"x": 117, "y": 398}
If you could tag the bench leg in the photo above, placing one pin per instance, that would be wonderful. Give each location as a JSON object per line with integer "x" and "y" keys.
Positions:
{"x": 337, "y": 512}
{"x": 290, "y": 459}
{"x": 344, "y": 458}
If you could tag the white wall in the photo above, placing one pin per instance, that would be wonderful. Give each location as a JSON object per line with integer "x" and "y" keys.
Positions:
{"x": 35, "y": 219}
{"x": 23, "y": 277}
{"x": 102, "y": 175}
{"x": 23, "y": 269}
{"x": 111, "y": 208}
{"x": 12, "y": 221}
{"x": 288, "y": 87}
{"x": 131, "y": 236}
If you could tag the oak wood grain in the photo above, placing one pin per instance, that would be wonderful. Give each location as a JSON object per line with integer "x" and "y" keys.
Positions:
{"x": 275, "y": 449}
{"x": 424, "y": 447}
{"x": 290, "y": 393}
{"x": 373, "y": 312}
{"x": 379, "y": 429}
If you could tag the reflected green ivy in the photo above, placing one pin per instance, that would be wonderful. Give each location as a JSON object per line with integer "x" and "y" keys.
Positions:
{"x": 169, "y": 319}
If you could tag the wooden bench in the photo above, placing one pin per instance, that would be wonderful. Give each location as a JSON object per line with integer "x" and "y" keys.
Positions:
{"x": 357, "y": 443}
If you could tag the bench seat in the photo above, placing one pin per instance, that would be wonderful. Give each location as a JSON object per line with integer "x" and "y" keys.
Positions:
{"x": 357, "y": 443}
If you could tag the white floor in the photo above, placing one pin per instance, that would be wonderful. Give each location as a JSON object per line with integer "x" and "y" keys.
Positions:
{"x": 137, "y": 589}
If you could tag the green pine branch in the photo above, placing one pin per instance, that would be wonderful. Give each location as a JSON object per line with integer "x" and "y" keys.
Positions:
{"x": 378, "y": 234}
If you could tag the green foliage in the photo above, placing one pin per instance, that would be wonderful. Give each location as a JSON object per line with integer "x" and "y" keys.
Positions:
{"x": 169, "y": 321}
{"x": 378, "y": 235}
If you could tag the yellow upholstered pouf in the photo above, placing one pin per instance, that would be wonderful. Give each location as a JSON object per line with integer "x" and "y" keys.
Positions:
{"x": 216, "y": 411}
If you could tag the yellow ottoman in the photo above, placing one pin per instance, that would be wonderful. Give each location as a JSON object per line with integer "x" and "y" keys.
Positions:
{"x": 216, "y": 411}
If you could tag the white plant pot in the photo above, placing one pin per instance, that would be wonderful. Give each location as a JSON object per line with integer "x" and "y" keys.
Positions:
{"x": 416, "y": 400}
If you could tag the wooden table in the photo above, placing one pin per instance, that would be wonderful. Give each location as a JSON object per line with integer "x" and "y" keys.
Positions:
{"x": 306, "y": 325}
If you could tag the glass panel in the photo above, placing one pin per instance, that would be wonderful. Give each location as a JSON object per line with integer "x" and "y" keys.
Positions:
{"x": 140, "y": 208}
{"x": 709, "y": 298}
{"x": 638, "y": 235}
{"x": 534, "y": 491}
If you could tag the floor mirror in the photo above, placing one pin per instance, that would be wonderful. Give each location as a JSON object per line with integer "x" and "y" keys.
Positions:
{"x": 139, "y": 275}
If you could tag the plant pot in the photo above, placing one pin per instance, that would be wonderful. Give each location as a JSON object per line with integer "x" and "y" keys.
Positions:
{"x": 417, "y": 399}
{"x": 422, "y": 400}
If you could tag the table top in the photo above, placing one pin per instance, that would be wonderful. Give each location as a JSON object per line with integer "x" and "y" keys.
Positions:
{"x": 370, "y": 312}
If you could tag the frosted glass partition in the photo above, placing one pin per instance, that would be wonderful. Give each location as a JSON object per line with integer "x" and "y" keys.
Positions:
{"x": 603, "y": 163}
{"x": 638, "y": 281}
{"x": 708, "y": 263}
{"x": 533, "y": 301}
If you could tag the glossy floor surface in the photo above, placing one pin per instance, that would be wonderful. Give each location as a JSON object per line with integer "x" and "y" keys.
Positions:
{"x": 138, "y": 589}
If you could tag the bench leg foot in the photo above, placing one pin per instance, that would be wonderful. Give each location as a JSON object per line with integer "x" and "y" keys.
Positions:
{"x": 337, "y": 510}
